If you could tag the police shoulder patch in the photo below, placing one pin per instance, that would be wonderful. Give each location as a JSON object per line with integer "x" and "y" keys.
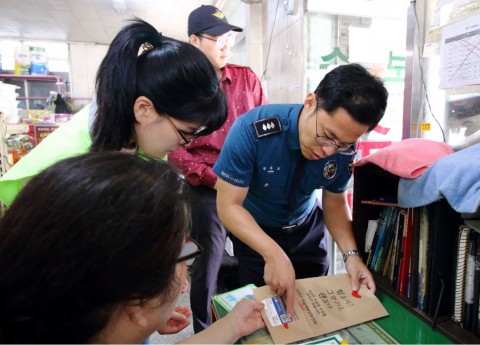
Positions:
{"x": 267, "y": 126}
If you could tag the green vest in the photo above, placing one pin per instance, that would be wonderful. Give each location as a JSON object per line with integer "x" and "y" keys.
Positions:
{"x": 72, "y": 138}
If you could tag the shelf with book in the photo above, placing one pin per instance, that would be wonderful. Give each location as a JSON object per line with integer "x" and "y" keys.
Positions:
{"x": 428, "y": 275}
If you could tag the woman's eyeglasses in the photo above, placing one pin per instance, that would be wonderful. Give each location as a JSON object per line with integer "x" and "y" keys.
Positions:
{"x": 190, "y": 251}
{"x": 221, "y": 41}
{"x": 187, "y": 137}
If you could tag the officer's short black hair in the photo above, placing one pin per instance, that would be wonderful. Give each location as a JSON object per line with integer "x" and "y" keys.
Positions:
{"x": 353, "y": 88}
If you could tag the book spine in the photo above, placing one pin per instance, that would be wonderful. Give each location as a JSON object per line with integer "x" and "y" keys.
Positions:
{"x": 476, "y": 288}
{"x": 392, "y": 226}
{"x": 403, "y": 278}
{"x": 391, "y": 264}
{"x": 422, "y": 258}
{"x": 469, "y": 287}
{"x": 376, "y": 237}
{"x": 386, "y": 262}
{"x": 379, "y": 247}
{"x": 399, "y": 252}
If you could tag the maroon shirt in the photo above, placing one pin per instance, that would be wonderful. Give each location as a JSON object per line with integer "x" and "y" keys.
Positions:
{"x": 244, "y": 92}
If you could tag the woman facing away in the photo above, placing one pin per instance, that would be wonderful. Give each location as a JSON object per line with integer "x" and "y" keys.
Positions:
{"x": 153, "y": 95}
{"x": 95, "y": 249}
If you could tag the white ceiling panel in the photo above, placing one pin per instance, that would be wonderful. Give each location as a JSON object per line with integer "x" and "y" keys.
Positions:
{"x": 93, "y": 21}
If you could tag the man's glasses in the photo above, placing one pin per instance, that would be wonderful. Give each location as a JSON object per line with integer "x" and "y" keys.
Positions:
{"x": 221, "y": 41}
{"x": 190, "y": 251}
{"x": 323, "y": 140}
{"x": 187, "y": 137}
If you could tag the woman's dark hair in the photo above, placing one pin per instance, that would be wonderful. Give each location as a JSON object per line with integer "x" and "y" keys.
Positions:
{"x": 176, "y": 76}
{"x": 353, "y": 88}
{"x": 84, "y": 235}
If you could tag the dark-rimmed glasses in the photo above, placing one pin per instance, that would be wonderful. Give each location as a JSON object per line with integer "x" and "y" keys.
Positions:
{"x": 190, "y": 251}
{"x": 187, "y": 137}
{"x": 221, "y": 41}
{"x": 323, "y": 140}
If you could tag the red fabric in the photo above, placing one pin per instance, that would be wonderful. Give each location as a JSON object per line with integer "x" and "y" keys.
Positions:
{"x": 408, "y": 158}
{"x": 244, "y": 92}
{"x": 381, "y": 129}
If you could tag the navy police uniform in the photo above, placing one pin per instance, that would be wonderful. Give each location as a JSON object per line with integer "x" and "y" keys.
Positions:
{"x": 262, "y": 152}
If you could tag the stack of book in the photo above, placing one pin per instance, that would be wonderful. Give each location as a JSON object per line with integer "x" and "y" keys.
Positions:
{"x": 466, "y": 308}
{"x": 413, "y": 249}
{"x": 391, "y": 245}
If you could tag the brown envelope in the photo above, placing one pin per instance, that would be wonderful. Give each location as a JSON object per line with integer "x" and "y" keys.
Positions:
{"x": 322, "y": 305}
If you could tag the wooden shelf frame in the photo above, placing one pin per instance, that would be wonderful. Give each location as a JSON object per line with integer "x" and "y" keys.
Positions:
{"x": 49, "y": 78}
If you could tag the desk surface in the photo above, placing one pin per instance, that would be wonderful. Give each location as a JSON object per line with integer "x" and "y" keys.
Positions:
{"x": 401, "y": 326}
{"x": 365, "y": 333}
{"x": 406, "y": 327}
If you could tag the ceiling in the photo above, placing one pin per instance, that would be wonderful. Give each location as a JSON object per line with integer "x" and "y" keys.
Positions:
{"x": 93, "y": 21}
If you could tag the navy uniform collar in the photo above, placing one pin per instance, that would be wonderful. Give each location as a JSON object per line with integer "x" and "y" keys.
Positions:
{"x": 293, "y": 138}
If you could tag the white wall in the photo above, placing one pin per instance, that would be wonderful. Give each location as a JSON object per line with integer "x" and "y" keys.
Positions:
{"x": 285, "y": 63}
{"x": 84, "y": 61}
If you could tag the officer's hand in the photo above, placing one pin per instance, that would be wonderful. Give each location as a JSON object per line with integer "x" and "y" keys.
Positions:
{"x": 280, "y": 276}
{"x": 359, "y": 274}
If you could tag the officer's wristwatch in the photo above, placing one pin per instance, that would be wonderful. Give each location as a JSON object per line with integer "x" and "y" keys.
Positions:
{"x": 349, "y": 253}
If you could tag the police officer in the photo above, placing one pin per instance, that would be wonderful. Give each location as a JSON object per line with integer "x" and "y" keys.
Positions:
{"x": 274, "y": 159}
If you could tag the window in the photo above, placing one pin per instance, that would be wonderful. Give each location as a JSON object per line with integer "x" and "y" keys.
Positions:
{"x": 372, "y": 33}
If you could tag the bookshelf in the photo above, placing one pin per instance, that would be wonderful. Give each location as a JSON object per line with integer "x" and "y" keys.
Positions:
{"x": 374, "y": 189}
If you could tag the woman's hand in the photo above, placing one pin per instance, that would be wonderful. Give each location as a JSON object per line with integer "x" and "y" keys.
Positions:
{"x": 245, "y": 318}
{"x": 177, "y": 322}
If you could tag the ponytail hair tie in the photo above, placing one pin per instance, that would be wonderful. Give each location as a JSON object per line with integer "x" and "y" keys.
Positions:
{"x": 157, "y": 41}
{"x": 146, "y": 47}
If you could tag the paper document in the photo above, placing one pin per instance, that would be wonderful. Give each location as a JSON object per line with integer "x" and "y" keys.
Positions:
{"x": 459, "y": 53}
{"x": 229, "y": 299}
{"x": 322, "y": 305}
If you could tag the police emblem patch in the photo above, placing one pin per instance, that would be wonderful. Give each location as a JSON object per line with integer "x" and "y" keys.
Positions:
{"x": 267, "y": 126}
{"x": 330, "y": 169}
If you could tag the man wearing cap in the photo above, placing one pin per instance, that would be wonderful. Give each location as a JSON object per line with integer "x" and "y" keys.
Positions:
{"x": 209, "y": 30}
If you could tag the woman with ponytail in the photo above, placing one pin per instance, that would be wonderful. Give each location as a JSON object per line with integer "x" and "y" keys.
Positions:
{"x": 153, "y": 95}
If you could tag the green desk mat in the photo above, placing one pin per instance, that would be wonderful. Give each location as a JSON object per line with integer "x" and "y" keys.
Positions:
{"x": 405, "y": 326}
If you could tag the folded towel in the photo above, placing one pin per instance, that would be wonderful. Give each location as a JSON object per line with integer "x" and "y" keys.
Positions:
{"x": 455, "y": 177}
{"x": 408, "y": 158}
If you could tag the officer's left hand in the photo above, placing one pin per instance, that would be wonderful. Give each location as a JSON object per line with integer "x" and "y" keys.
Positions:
{"x": 359, "y": 274}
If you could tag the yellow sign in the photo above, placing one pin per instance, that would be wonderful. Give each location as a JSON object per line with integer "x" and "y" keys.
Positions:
{"x": 425, "y": 126}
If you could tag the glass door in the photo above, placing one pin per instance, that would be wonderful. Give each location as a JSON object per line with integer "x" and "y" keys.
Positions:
{"x": 369, "y": 32}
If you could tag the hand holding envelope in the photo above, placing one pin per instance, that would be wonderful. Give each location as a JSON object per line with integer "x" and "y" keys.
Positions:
{"x": 322, "y": 305}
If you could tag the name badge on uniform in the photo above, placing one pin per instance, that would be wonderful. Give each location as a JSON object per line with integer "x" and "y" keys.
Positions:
{"x": 267, "y": 126}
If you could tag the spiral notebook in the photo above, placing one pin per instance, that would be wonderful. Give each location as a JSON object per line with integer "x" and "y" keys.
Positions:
{"x": 460, "y": 273}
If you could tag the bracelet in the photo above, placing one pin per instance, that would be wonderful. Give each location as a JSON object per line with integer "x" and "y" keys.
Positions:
{"x": 349, "y": 253}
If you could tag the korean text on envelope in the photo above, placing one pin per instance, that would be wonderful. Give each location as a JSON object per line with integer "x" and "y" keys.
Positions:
{"x": 322, "y": 305}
